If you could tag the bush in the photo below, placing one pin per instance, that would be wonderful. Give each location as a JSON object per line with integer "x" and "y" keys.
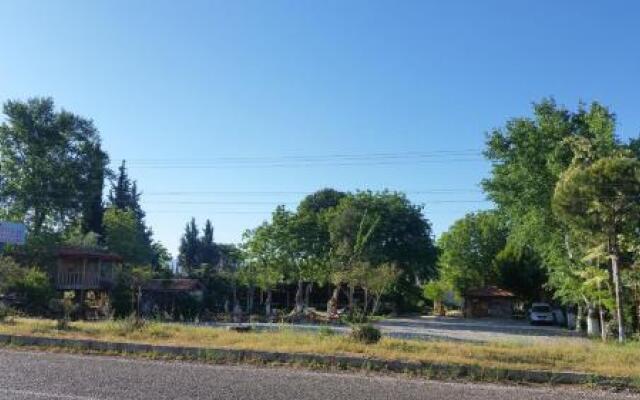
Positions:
{"x": 129, "y": 325}
{"x": 367, "y": 334}
{"x": 6, "y": 312}
{"x": 10, "y": 273}
{"x": 36, "y": 290}
{"x": 356, "y": 316}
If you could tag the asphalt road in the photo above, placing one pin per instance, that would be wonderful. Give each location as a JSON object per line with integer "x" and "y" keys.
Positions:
{"x": 38, "y": 375}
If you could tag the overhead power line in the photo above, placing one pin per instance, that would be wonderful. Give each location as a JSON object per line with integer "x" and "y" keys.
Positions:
{"x": 368, "y": 159}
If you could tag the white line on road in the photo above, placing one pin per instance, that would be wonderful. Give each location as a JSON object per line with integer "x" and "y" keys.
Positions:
{"x": 43, "y": 395}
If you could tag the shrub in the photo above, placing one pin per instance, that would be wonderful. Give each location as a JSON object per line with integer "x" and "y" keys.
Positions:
{"x": 10, "y": 273}
{"x": 367, "y": 334}
{"x": 6, "y": 312}
{"x": 129, "y": 325}
{"x": 36, "y": 289}
{"x": 356, "y": 316}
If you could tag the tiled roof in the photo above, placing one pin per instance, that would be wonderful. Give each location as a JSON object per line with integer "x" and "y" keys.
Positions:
{"x": 79, "y": 252}
{"x": 173, "y": 285}
{"x": 488, "y": 291}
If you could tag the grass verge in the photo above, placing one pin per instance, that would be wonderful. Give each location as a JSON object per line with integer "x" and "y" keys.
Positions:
{"x": 607, "y": 359}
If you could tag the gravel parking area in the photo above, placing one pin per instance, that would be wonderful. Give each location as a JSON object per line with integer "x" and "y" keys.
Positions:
{"x": 447, "y": 328}
{"x": 484, "y": 329}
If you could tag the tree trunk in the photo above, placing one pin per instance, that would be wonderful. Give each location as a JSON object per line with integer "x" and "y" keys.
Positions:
{"x": 250, "y": 292}
{"x": 332, "y": 304}
{"x": 307, "y": 294}
{"x": 352, "y": 290}
{"x": 376, "y": 305}
{"x": 638, "y": 315}
{"x": 593, "y": 323}
{"x": 579, "y": 318}
{"x": 267, "y": 304}
{"x": 299, "y": 308}
{"x": 365, "y": 306}
{"x": 618, "y": 292}
{"x": 603, "y": 328}
{"x": 235, "y": 295}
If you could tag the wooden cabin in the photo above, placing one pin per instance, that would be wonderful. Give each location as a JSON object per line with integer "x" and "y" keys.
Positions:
{"x": 88, "y": 272}
{"x": 85, "y": 269}
{"x": 489, "y": 301}
{"x": 165, "y": 295}
{"x": 91, "y": 274}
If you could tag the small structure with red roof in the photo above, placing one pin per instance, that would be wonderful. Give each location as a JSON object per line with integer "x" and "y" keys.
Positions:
{"x": 488, "y": 301}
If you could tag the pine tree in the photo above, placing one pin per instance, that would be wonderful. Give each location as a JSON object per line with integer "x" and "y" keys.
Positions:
{"x": 124, "y": 195}
{"x": 120, "y": 193}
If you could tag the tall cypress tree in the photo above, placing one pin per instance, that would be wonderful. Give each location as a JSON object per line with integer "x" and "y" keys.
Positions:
{"x": 208, "y": 250}
{"x": 189, "y": 244}
{"x": 93, "y": 207}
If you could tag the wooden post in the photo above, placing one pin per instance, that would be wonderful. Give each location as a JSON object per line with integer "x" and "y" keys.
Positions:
{"x": 99, "y": 274}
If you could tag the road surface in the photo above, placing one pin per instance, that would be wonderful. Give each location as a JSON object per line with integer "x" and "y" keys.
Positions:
{"x": 39, "y": 375}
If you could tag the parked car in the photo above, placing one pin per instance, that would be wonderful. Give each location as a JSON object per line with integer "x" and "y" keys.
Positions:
{"x": 541, "y": 313}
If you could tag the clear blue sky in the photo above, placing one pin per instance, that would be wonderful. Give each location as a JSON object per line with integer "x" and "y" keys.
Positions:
{"x": 205, "y": 80}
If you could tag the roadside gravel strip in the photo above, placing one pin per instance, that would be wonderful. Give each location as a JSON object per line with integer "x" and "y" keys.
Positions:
{"x": 40, "y": 375}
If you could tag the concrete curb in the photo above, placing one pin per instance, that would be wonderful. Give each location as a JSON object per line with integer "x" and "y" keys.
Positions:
{"x": 427, "y": 370}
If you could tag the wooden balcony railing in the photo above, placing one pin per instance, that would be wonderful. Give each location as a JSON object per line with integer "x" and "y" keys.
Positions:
{"x": 78, "y": 280}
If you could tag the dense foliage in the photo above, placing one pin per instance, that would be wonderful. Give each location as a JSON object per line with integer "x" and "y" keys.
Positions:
{"x": 566, "y": 193}
{"x": 375, "y": 242}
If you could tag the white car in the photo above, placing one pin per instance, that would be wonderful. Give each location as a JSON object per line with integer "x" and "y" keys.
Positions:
{"x": 540, "y": 313}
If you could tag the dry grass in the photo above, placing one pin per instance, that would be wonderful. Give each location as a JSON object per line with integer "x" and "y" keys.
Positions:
{"x": 562, "y": 355}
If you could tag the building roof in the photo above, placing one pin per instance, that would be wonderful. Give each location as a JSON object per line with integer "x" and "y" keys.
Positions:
{"x": 489, "y": 291}
{"x": 173, "y": 285}
{"x": 80, "y": 252}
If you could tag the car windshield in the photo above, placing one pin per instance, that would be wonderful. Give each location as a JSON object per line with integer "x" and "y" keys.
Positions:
{"x": 541, "y": 309}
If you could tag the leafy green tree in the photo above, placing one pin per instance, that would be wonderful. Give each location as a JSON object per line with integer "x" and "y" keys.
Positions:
{"x": 123, "y": 236}
{"x": 520, "y": 270}
{"x": 349, "y": 255}
{"x": 297, "y": 261}
{"x": 52, "y": 166}
{"x": 320, "y": 201}
{"x": 468, "y": 250}
{"x": 77, "y": 237}
{"x": 401, "y": 236}
{"x": 160, "y": 260}
{"x": 602, "y": 199}
{"x": 379, "y": 281}
{"x": 529, "y": 155}
{"x": 263, "y": 261}
{"x": 437, "y": 291}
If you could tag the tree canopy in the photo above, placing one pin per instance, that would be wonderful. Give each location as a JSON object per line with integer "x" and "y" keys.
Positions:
{"x": 52, "y": 166}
